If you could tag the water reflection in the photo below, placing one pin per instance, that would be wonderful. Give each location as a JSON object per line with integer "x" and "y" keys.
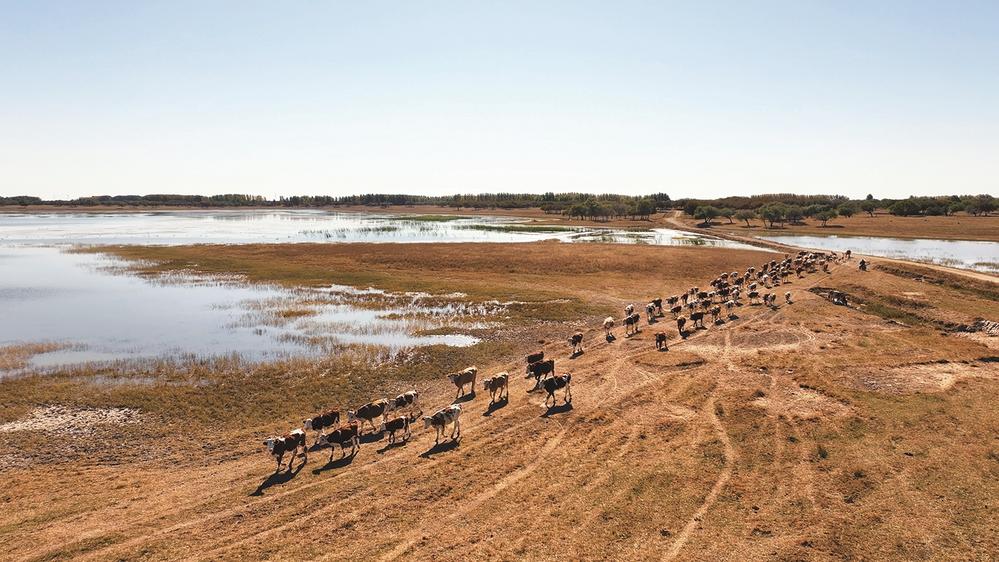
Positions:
{"x": 270, "y": 226}
{"x": 85, "y": 302}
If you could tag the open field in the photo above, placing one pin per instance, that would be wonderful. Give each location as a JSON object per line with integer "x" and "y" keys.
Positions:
{"x": 808, "y": 431}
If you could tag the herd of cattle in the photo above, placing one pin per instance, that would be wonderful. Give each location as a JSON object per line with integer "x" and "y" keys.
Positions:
{"x": 727, "y": 290}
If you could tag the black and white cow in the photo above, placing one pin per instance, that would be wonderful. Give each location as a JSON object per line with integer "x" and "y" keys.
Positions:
{"x": 553, "y": 384}
{"x": 449, "y": 415}
{"x": 321, "y": 422}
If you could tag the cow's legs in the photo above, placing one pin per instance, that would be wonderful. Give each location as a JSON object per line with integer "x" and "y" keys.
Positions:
{"x": 568, "y": 394}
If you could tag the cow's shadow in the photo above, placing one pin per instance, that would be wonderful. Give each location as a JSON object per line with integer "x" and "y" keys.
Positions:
{"x": 400, "y": 442}
{"x": 733, "y": 316}
{"x": 557, "y": 409}
{"x": 576, "y": 354}
{"x": 464, "y": 398}
{"x": 278, "y": 478}
{"x": 442, "y": 447}
{"x": 336, "y": 463}
{"x": 684, "y": 333}
{"x": 610, "y": 338}
{"x": 493, "y": 406}
{"x": 719, "y": 322}
{"x": 372, "y": 437}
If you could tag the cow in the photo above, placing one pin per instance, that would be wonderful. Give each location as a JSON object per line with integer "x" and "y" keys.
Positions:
{"x": 608, "y": 325}
{"x": 576, "y": 341}
{"x": 368, "y": 413}
{"x": 540, "y": 369}
{"x": 497, "y": 383}
{"x": 658, "y": 303}
{"x": 680, "y": 322}
{"x": 461, "y": 379}
{"x": 848, "y": 253}
{"x": 753, "y": 295}
{"x": 289, "y": 443}
{"x": 629, "y": 310}
{"x": 697, "y": 318}
{"x": 715, "y": 313}
{"x": 554, "y": 383}
{"x": 650, "y": 313}
{"x": 631, "y": 324}
{"x": 661, "y": 344}
{"x": 676, "y": 310}
{"x": 347, "y": 434}
{"x": 444, "y": 417}
{"x": 404, "y": 400}
{"x": 671, "y": 301}
{"x": 320, "y": 422}
{"x": 787, "y": 295}
{"x": 535, "y": 357}
{"x": 729, "y": 305}
{"x": 401, "y": 423}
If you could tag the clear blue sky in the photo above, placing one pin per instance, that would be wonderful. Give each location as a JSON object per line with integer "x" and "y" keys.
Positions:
{"x": 693, "y": 98}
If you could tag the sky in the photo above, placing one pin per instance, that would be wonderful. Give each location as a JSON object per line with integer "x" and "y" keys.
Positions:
{"x": 694, "y": 99}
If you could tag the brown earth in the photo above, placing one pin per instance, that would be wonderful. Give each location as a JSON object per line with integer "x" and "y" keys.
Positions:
{"x": 807, "y": 431}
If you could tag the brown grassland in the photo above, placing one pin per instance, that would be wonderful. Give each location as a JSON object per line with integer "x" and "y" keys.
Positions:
{"x": 806, "y": 431}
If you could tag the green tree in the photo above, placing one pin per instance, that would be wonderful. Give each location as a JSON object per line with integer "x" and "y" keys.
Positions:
{"x": 826, "y": 216}
{"x": 746, "y": 215}
{"x": 705, "y": 213}
{"x": 794, "y": 214}
{"x": 869, "y": 207}
{"x": 847, "y": 210}
{"x": 727, "y": 213}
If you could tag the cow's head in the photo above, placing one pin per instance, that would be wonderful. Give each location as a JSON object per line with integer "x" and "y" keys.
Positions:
{"x": 351, "y": 416}
{"x": 269, "y": 443}
{"x": 307, "y": 424}
{"x": 427, "y": 421}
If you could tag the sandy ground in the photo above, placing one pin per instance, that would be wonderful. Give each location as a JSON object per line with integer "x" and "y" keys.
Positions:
{"x": 806, "y": 431}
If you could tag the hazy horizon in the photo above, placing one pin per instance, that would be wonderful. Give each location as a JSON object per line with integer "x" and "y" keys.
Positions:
{"x": 693, "y": 100}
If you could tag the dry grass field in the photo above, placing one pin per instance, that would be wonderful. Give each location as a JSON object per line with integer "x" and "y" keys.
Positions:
{"x": 808, "y": 431}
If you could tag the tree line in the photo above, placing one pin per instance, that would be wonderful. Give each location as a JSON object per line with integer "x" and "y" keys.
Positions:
{"x": 777, "y": 210}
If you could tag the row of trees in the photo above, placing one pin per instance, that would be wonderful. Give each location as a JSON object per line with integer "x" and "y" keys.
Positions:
{"x": 551, "y": 202}
{"x": 778, "y": 212}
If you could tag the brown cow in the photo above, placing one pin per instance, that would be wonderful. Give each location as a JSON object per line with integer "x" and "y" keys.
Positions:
{"x": 461, "y": 379}
{"x": 368, "y": 413}
{"x": 661, "y": 342}
{"x": 576, "y": 341}
{"x": 497, "y": 383}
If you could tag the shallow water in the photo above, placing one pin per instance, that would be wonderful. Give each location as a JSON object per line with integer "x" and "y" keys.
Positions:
{"x": 102, "y": 314}
{"x": 287, "y": 226}
{"x": 965, "y": 254}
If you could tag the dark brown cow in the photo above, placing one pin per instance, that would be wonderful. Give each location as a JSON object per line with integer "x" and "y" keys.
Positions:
{"x": 540, "y": 369}
{"x": 347, "y": 434}
{"x": 661, "y": 342}
{"x": 697, "y": 318}
{"x": 535, "y": 357}
{"x": 401, "y": 423}
{"x": 680, "y": 323}
{"x": 368, "y": 413}
{"x": 461, "y": 379}
{"x": 676, "y": 310}
{"x": 289, "y": 443}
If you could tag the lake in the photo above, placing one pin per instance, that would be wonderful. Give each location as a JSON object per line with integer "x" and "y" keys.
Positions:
{"x": 289, "y": 226}
{"x": 964, "y": 254}
{"x": 88, "y": 307}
